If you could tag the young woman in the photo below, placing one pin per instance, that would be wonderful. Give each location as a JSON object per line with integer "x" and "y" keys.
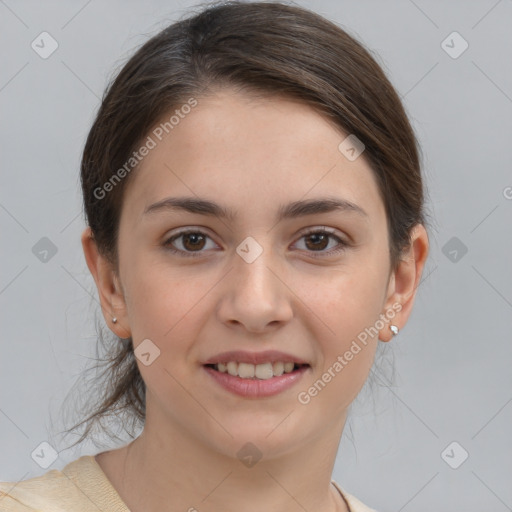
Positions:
{"x": 255, "y": 225}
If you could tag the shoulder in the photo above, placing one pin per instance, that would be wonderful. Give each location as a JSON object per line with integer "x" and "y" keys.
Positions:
{"x": 31, "y": 494}
{"x": 79, "y": 486}
{"x": 354, "y": 504}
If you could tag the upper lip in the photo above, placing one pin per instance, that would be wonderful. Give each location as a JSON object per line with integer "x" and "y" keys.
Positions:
{"x": 268, "y": 356}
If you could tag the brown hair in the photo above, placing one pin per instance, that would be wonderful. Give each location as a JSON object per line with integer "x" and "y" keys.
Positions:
{"x": 265, "y": 47}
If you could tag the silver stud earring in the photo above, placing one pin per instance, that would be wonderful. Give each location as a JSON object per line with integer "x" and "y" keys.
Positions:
{"x": 394, "y": 329}
{"x": 114, "y": 320}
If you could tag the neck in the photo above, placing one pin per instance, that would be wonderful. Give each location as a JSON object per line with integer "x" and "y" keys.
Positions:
{"x": 171, "y": 469}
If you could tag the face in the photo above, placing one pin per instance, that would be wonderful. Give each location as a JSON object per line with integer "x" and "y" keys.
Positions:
{"x": 306, "y": 284}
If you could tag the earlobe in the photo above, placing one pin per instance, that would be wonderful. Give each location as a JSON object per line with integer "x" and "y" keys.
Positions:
{"x": 109, "y": 290}
{"x": 405, "y": 281}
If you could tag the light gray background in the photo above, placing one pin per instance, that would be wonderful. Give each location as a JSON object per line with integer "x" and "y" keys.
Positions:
{"x": 453, "y": 377}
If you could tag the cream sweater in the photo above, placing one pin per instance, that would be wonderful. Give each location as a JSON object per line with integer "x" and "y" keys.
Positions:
{"x": 82, "y": 486}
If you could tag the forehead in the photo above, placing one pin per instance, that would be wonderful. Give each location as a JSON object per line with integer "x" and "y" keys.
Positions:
{"x": 250, "y": 153}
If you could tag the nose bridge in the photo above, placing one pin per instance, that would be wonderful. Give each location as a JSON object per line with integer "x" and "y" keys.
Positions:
{"x": 255, "y": 296}
{"x": 252, "y": 265}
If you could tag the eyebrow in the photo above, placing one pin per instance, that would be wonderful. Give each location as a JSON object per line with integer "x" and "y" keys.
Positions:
{"x": 289, "y": 211}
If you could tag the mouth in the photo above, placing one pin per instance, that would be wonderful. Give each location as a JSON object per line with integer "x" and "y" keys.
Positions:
{"x": 256, "y": 381}
{"x": 263, "y": 371}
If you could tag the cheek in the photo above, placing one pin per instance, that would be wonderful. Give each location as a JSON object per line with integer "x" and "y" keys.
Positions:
{"x": 346, "y": 309}
{"x": 164, "y": 303}
{"x": 344, "y": 301}
{"x": 166, "y": 309}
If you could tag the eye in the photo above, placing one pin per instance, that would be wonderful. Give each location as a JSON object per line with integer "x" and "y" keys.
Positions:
{"x": 317, "y": 240}
{"x": 192, "y": 242}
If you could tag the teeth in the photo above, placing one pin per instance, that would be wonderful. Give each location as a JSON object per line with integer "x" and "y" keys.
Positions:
{"x": 232, "y": 368}
{"x": 288, "y": 367}
{"x": 263, "y": 371}
{"x": 246, "y": 370}
{"x": 260, "y": 371}
{"x": 278, "y": 368}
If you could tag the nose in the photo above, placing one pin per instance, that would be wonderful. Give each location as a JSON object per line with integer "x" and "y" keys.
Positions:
{"x": 255, "y": 293}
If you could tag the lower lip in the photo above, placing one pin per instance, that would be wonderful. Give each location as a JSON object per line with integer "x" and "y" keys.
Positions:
{"x": 257, "y": 388}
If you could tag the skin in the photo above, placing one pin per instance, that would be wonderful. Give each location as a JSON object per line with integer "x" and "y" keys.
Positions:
{"x": 249, "y": 154}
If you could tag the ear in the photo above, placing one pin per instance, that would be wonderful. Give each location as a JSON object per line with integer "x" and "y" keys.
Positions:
{"x": 111, "y": 296}
{"x": 403, "y": 282}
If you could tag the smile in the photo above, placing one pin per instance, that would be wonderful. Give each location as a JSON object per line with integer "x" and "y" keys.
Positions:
{"x": 260, "y": 380}
{"x": 262, "y": 371}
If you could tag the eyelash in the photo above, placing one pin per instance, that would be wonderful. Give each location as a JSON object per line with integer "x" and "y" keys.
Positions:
{"x": 341, "y": 247}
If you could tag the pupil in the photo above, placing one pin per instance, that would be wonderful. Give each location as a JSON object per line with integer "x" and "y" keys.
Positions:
{"x": 194, "y": 237}
{"x": 316, "y": 236}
